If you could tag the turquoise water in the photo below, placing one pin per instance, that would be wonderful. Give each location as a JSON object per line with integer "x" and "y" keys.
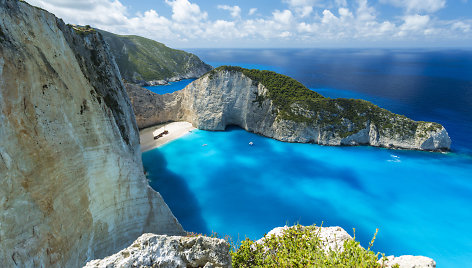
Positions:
{"x": 171, "y": 87}
{"x": 420, "y": 201}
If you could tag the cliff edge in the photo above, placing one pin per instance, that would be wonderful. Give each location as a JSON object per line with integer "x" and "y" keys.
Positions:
{"x": 280, "y": 107}
{"x": 72, "y": 186}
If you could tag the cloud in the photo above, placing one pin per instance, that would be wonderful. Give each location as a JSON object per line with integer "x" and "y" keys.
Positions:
{"x": 414, "y": 23}
{"x": 302, "y": 8}
{"x": 418, "y": 5}
{"x": 235, "y": 11}
{"x": 86, "y": 12}
{"x": 283, "y": 17}
{"x": 464, "y": 27}
{"x": 340, "y": 22}
{"x": 364, "y": 11}
{"x": 184, "y": 11}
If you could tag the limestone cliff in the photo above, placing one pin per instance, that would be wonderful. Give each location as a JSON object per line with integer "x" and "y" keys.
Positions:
{"x": 279, "y": 107}
{"x": 71, "y": 180}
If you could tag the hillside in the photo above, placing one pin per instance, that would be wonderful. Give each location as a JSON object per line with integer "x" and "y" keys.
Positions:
{"x": 140, "y": 59}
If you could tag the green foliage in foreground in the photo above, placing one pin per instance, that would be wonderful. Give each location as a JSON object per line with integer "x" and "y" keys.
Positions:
{"x": 301, "y": 246}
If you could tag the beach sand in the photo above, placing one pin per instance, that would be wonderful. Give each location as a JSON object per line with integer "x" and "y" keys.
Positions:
{"x": 176, "y": 130}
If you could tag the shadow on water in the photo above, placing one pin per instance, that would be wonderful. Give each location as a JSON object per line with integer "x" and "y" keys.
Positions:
{"x": 175, "y": 191}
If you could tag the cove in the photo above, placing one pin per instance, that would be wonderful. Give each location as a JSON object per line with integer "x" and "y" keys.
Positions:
{"x": 420, "y": 201}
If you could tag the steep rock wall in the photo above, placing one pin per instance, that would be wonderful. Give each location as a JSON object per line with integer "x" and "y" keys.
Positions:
{"x": 226, "y": 97}
{"x": 71, "y": 180}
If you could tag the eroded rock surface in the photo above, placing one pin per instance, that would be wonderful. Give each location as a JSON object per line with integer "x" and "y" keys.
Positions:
{"x": 152, "y": 250}
{"x": 71, "y": 180}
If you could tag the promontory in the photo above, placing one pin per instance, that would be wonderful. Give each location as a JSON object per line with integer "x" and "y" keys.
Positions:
{"x": 280, "y": 107}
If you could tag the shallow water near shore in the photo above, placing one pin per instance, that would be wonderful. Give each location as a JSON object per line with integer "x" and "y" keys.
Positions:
{"x": 420, "y": 201}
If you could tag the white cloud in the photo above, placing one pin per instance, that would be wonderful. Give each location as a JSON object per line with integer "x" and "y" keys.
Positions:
{"x": 283, "y": 17}
{"x": 302, "y": 8}
{"x": 184, "y": 11}
{"x": 418, "y": 5}
{"x": 414, "y": 23}
{"x": 92, "y": 12}
{"x": 328, "y": 17}
{"x": 365, "y": 12}
{"x": 189, "y": 25}
{"x": 235, "y": 11}
{"x": 464, "y": 27}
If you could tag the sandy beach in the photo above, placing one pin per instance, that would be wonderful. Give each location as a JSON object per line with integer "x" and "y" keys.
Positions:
{"x": 175, "y": 129}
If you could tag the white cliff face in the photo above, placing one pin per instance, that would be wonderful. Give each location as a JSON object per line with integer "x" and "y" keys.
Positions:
{"x": 225, "y": 98}
{"x": 71, "y": 180}
{"x": 152, "y": 250}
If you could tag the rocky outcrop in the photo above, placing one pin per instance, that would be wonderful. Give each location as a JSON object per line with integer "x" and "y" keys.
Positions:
{"x": 150, "y": 108}
{"x": 235, "y": 96}
{"x": 152, "y": 250}
{"x": 333, "y": 238}
{"x": 72, "y": 187}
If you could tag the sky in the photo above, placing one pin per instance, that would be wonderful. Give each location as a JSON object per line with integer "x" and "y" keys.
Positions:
{"x": 277, "y": 23}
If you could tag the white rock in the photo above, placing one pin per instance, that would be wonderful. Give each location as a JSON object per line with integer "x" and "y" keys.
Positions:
{"x": 152, "y": 250}
{"x": 408, "y": 261}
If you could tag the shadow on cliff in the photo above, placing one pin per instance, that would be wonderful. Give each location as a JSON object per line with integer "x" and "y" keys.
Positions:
{"x": 175, "y": 192}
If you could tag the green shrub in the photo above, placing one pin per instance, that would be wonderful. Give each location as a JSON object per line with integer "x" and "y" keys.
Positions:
{"x": 302, "y": 247}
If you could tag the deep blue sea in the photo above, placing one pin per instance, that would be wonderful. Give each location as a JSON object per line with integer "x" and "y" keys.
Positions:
{"x": 420, "y": 201}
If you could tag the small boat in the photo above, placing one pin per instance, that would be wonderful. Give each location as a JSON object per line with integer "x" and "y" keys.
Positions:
{"x": 204, "y": 144}
{"x": 251, "y": 143}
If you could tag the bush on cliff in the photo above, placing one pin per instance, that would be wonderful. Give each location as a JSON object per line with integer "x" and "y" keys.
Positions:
{"x": 302, "y": 247}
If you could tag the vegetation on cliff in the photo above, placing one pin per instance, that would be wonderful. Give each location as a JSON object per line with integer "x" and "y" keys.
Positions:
{"x": 139, "y": 58}
{"x": 301, "y": 246}
{"x": 293, "y": 101}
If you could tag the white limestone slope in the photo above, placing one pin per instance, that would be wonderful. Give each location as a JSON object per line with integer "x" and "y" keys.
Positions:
{"x": 225, "y": 97}
{"x": 71, "y": 180}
